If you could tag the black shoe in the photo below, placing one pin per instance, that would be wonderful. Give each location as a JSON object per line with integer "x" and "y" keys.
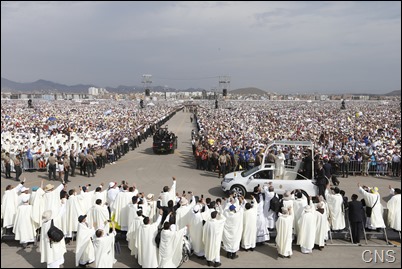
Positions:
{"x": 234, "y": 256}
{"x": 251, "y": 249}
{"x": 217, "y": 264}
{"x": 209, "y": 263}
{"x": 229, "y": 255}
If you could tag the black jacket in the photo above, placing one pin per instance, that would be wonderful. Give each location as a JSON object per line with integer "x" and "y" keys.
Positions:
{"x": 356, "y": 211}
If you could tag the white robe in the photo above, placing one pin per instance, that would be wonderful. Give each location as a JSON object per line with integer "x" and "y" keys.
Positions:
{"x": 279, "y": 165}
{"x": 97, "y": 215}
{"x": 394, "y": 212}
{"x": 120, "y": 209}
{"x": 376, "y": 220}
{"x": 73, "y": 212}
{"x": 283, "y": 238}
{"x": 298, "y": 207}
{"x": 169, "y": 195}
{"x": 104, "y": 251}
{"x": 183, "y": 215}
{"x": 307, "y": 230}
{"x": 195, "y": 231}
{"x": 170, "y": 248}
{"x": 52, "y": 255}
{"x": 99, "y": 195}
{"x": 132, "y": 213}
{"x": 51, "y": 200}
{"x": 145, "y": 243}
{"x": 336, "y": 210}
{"x": 9, "y": 205}
{"x": 262, "y": 227}
{"x": 24, "y": 227}
{"x": 270, "y": 216}
{"x": 233, "y": 230}
{"x": 322, "y": 228}
{"x": 84, "y": 250}
{"x": 38, "y": 207}
{"x": 132, "y": 234}
{"x": 212, "y": 238}
{"x": 249, "y": 236}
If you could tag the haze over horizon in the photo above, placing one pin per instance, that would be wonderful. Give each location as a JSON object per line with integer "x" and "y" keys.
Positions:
{"x": 283, "y": 47}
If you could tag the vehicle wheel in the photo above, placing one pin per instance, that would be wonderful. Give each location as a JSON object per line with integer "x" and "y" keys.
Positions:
{"x": 240, "y": 190}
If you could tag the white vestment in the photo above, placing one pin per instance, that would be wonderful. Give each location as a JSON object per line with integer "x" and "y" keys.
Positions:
{"x": 145, "y": 243}
{"x": 183, "y": 215}
{"x": 307, "y": 230}
{"x": 262, "y": 227}
{"x": 322, "y": 227}
{"x": 298, "y": 207}
{"x": 73, "y": 212}
{"x": 279, "y": 165}
{"x": 132, "y": 234}
{"x": 394, "y": 212}
{"x": 24, "y": 227}
{"x": 283, "y": 238}
{"x": 212, "y": 238}
{"x": 233, "y": 230}
{"x": 376, "y": 220}
{"x": 97, "y": 215}
{"x": 249, "y": 236}
{"x": 84, "y": 250}
{"x": 169, "y": 195}
{"x": 170, "y": 248}
{"x": 120, "y": 209}
{"x": 270, "y": 216}
{"x": 9, "y": 205}
{"x": 195, "y": 231}
{"x": 336, "y": 210}
{"x": 104, "y": 251}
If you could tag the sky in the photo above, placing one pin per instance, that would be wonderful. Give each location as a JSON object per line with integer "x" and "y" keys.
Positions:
{"x": 282, "y": 47}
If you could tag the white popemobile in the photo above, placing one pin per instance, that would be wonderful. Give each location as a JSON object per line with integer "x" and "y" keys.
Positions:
{"x": 243, "y": 182}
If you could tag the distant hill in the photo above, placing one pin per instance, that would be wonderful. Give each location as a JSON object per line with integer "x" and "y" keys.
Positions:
{"x": 394, "y": 93}
{"x": 249, "y": 90}
{"x": 43, "y": 86}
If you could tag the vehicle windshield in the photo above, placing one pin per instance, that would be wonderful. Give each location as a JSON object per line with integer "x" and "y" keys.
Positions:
{"x": 249, "y": 172}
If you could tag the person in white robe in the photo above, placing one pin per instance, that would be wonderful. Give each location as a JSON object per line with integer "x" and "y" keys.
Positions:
{"x": 322, "y": 223}
{"x": 73, "y": 211}
{"x": 104, "y": 246}
{"x": 145, "y": 243}
{"x": 249, "y": 235}
{"x": 170, "y": 246}
{"x": 183, "y": 213}
{"x": 269, "y": 214}
{"x": 262, "y": 227}
{"x": 84, "y": 249}
{"x": 299, "y": 203}
{"x": 97, "y": 215}
{"x": 133, "y": 231}
{"x": 279, "y": 165}
{"x": 51, "y": 253}
{"x": 51, "y": 200}
{"x": 24, "y": 194}
{"x": 373, "y": 199}
{"x": 196, "y": 230}
{"x": 112, "y": 193}
{"x": 84, "y": 199}
{"x": 307, "y": 230}
{"x": 284, "y": 238}
{"x": 232, "y": 231}
{"x": 336, "y": 209}
{"x": 9, "y": 205}
{"x": 24, "y": 227}
{"x": 168, "y": 193}
{"x": 394, "y": 209}
{"x": 212, "y": 238}
{"x": 99, "y": 194}
{"x": 132, "y": 209}
{"x": 120, "y": 208}
{"x": 152, "y": 209}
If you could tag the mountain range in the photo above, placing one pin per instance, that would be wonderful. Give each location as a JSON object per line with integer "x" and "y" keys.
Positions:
{"x": 45, "y": 86}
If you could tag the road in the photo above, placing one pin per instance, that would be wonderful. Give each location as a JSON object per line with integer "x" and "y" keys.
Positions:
{"x": 150, "y": 172}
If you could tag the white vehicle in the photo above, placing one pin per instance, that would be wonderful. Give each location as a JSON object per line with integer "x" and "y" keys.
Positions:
{"x": 243, "y": 182}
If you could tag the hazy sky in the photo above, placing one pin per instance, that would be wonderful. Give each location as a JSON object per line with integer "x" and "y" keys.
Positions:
{"x": 283, "y": 47}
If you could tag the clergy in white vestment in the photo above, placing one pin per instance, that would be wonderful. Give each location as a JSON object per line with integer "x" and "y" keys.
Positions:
{"x": 284, "y": 238}
{"x": 279, "y": 165}
{"x": 168, "y": 193}
{"x": 262, "y": 227}
{"x": 307, "y": 230}
{"x": 9, "y": 205}
{"x": 212, "y": 238}
{"x": 24, "y": 194}
{"x": 73, "y": 211}
{"x": 97, "y": 215}
{"x": 132, "y": 209}
{"x": 249, "y": 236}
{"x": 133, "y": 231}
{"x": 183, "y": 213}
{"x": 152, "y": 209}
{"x": 99, "y": 194}
{"x": 51, "y": 253}
{"x": 196, "y": 230}
{"x": 24, "y": 227}
{"x": 104, "y": 247}
{"x": 120, "y": 208}
{"x": 322, "y": 223}
{"x": 84, "y": 199}
{"x": 233, "y": 230}
{"x": 394, "y": 210}
{"x": 336, "y": 209}
{"x": 51, "y": 200}
{"x": 269, "y": 214}
{"x": 171, "y": 246}
{"x": 112, "y": 193}
{"x": 373, "y": 200}
{"x": 145, "y": 243}
{"x": 84, "y": 249}
{"x": 299, "y": 203}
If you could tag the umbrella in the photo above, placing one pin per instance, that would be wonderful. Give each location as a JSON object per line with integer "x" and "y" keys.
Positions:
{"x": 150, "y": 104}
{"x": 107, "y": 112}
{"x": 52, "y": 118}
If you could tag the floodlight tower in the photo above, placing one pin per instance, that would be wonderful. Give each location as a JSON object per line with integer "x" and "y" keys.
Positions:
{"x": 147, "y": 80}
{"x": 224, "y": 84}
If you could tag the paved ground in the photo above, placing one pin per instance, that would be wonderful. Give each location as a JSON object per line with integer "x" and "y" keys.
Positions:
{"x": 151, "y": 172}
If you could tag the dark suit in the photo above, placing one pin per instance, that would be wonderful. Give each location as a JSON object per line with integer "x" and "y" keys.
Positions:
{"x": 356, "y": 218}
{"x": 321, "y": 182}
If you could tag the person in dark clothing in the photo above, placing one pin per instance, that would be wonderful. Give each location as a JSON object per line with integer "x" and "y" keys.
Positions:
{"x": 170, "y": 209}
{"x": 356, "y": 218}
{"x": 321, "y": 180}
{"x": 307, "y": 165}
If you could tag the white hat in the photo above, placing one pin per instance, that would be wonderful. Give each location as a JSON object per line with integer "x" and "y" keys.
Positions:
{"x": 24, "y": 189}
{"x": 47, "y": 215}
{"x": 150, "y": 196}
{"x": 111, "y": 184}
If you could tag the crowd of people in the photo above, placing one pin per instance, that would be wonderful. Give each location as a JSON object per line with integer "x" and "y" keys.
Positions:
{"x": 364, "y": 138}
{"x": 87, "y": 135}
{"x": 157, "y": 227}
